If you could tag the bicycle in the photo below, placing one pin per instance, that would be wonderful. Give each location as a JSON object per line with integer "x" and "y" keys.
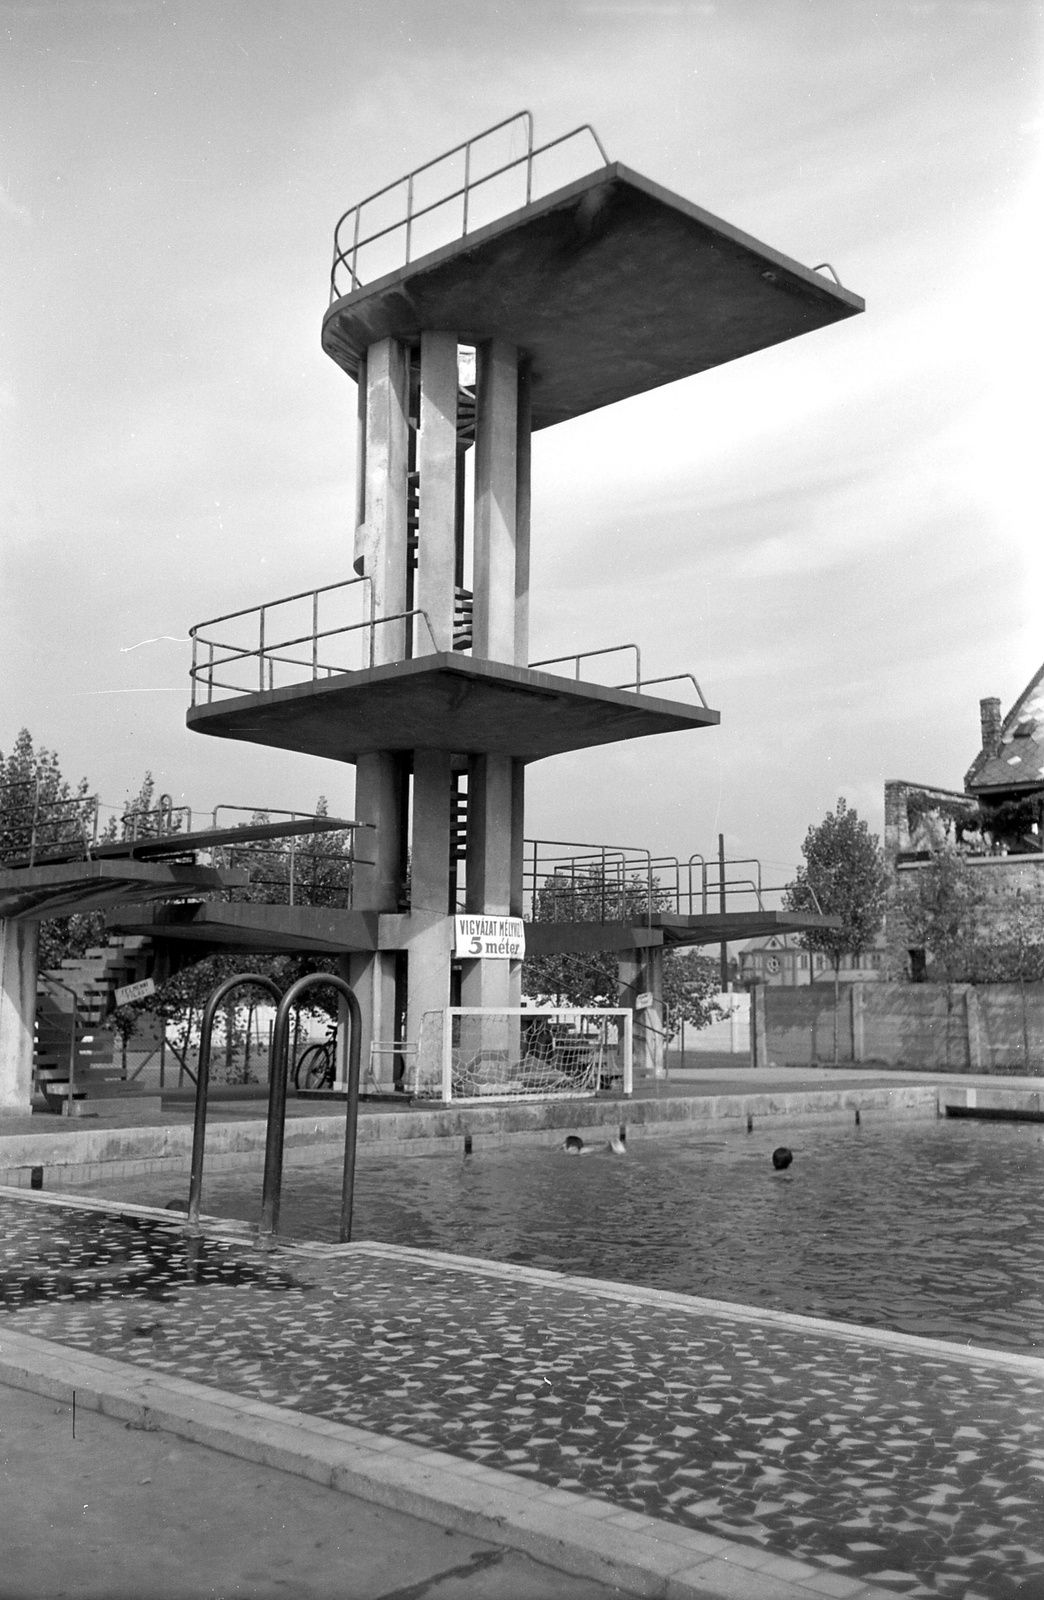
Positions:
{"x": 316, "y": 1066}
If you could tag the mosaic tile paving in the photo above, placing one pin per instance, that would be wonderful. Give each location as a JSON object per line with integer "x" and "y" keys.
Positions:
{"x": 911, "y": 1471}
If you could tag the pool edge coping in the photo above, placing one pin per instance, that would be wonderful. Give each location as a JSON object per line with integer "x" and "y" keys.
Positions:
{"x": 582, "y": 1535}
{"x": 231, "y": 1231}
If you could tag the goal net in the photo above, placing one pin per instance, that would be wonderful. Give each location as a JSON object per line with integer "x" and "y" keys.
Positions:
{"x": 490, "y": 1054}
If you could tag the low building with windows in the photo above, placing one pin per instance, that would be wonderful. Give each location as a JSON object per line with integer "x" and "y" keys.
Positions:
{"x": 781, "y": 961}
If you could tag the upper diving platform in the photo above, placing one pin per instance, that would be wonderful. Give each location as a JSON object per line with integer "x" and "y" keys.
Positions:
{"x": 611, "y": 284}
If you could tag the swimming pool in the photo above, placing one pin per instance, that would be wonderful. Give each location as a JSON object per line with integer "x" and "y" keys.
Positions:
{"x": 933, "y": 1228}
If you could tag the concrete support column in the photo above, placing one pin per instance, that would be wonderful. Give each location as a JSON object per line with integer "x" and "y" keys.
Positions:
{"x": 431, "y": 942}
{"x": 518, "y": 829}
{"x": 19, "y": 960}
{"x": 432, "y": 816}
{"x": 641, "y": 971}
{"x": 379, "y": 800}
{"x": 437, "y": 465}
{"x": 492, "y": 849}
{"x": 496, "y": 490}
{"x": 378, "y": 881}
{"x": 523, "y": 504}
{"x": 381, "y": 542}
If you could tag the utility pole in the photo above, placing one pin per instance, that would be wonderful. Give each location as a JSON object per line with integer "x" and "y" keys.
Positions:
{"x": 721, "y": 907}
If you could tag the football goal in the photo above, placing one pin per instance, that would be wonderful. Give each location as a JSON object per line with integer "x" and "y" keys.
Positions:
{"x": 488, "y": 1054}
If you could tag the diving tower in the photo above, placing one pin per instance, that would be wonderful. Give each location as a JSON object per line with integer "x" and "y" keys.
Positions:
{"x": 416, "y": 669}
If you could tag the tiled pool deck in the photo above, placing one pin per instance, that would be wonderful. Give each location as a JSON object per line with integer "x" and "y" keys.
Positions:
{"x": 717, "y": 1449}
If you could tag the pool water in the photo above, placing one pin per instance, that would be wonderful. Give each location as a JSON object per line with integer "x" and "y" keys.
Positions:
{"x": 932, "y": 1228}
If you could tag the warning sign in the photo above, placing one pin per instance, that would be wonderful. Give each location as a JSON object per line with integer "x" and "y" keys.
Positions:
{"x": 134, "y": 991}
{"x": 489, "y": 938}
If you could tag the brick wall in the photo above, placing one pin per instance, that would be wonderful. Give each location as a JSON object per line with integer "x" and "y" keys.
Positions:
{"x": 914, "y": 1025}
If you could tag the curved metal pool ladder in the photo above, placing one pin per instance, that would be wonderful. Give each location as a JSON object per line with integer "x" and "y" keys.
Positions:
{"x": 215, "y": 998}
{"x": 277, "y": 1075}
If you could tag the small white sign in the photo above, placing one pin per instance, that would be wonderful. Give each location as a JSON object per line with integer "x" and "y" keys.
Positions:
{"x": 489, "y": 938}
{"x": 643, "y": 1001}
{"x": 135, "y": 991}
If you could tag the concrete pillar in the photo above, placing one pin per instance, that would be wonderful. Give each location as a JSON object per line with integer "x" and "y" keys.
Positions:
{"x": 379, "y": 800}
{"x": 496, "y": 489}
{"x": 430, "y": 952}
{"x": 382, "y": 540}
{"x": 518, "y": 842}
{"x": 641, "y": 971}
{"x": 430, "y": 948}
{"x": 523, "y": 504}
{"x": 19, "y": 960}
{"x": 491, "y": 853}
{"x": 378, "y": 882}
{"x": 437, "y": 465}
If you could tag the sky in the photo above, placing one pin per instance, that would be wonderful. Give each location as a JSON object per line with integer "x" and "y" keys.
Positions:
{"x": 840, "y": 537}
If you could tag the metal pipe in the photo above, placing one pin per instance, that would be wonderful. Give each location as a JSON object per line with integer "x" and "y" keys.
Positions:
{"x": 277, "y": 1075}
{"x": 215, "y": 998}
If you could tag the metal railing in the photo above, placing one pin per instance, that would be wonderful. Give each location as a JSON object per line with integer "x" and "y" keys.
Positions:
{"x": 637, "y": 683}
{"x": 585, "y": 655}
{"x": 33, "y": 829}
{"x": 566, "y": 881}
{"x": 349, "y": 238}
{"x": 234, "y": 667}
{"x": 306, "y": 873}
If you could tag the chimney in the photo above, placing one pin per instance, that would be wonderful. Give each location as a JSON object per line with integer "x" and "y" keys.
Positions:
{"x": 990, "y": 718}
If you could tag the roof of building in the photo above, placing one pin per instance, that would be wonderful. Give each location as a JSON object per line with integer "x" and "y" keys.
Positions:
{"x": 1019, "y": 762}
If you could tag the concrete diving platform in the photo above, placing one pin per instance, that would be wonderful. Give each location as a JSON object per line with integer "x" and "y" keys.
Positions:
{"x": 666, "y": 928}
{"x": 449, "y": 702}
{"x": 68, "y": 888}
{"x": 617, "y": 286}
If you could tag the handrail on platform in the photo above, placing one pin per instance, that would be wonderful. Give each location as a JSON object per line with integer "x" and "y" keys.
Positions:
{"x": 346, "y": 254}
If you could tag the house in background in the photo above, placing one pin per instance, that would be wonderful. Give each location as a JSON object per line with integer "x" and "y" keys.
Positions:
{"x": 780, "y": 961}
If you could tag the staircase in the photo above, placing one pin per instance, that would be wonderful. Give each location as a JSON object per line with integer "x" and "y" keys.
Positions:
{"x": 76, "y": 1055}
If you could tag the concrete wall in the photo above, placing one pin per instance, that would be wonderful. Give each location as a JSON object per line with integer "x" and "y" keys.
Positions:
{"x": 731, "y": 1034}
{"x": 912, "y": 1025}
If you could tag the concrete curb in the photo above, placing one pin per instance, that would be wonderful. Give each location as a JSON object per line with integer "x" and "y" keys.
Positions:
{"x": 587, "y": 1537}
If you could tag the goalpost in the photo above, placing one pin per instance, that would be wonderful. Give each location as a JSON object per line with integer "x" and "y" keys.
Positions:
{"x": 488, "y": 1054}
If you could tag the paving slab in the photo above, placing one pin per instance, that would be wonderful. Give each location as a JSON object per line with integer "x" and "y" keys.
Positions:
{"x": 821, "y": 1455}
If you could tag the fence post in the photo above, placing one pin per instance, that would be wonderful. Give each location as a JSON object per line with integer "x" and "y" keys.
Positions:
{"x": 973, "y": 1029}
{"x": 858, "y": 1039}
{"x": 447, "y": 1055}
{"x": 758, "y": 1044}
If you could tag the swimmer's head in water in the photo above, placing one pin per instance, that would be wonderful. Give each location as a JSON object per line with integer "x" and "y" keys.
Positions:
{"x": 782, "y": 1157}
{"x": 574, "y": 1145}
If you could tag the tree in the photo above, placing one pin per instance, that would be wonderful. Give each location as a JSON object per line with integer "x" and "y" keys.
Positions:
{"x": 690, "y": 990}
{"x": 937, "y": 914}
{"x": 690, "y": 980}
{"x": 843, "y": 877}
{"x": 39, "y": 812}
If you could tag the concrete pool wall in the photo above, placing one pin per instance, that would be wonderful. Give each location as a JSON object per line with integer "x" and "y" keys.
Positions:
{"x": 68, "y": 1155}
